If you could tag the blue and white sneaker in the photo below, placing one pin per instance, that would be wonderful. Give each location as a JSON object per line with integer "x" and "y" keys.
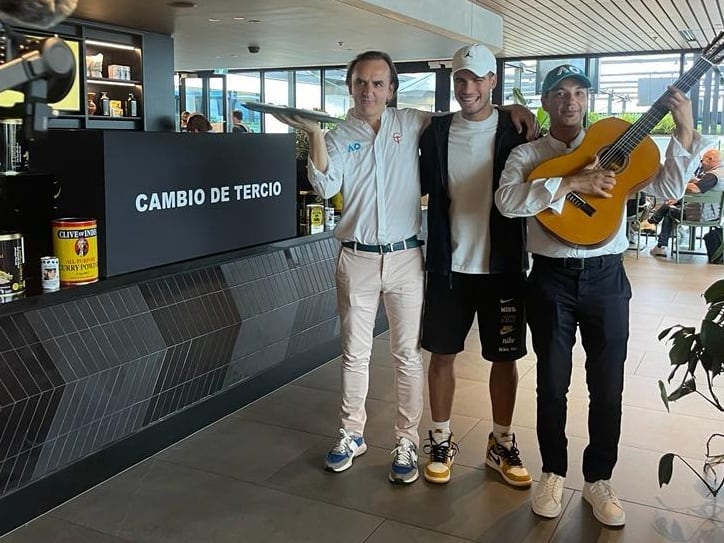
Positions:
{"x": 347, "y": 448}
{"x": 404, "y": 466}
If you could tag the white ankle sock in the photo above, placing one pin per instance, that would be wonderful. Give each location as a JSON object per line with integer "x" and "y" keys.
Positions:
{"x": 503, "y": 435}
{"x": 440, "y": 430}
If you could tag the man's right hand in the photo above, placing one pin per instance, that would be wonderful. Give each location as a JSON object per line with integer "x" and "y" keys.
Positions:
{"x": 317, "y": 149}
{"x": 590, "y": 180}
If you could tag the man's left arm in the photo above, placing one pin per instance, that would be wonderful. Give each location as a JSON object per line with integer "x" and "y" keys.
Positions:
{"x": 686, "y": 144}
{"x": 707, "y": 182}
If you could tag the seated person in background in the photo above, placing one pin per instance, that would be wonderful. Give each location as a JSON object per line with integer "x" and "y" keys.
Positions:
{"x": 184, "y": 119}
{"x": 237, "y": 117}
{"x": 637, "y": 210}
{"x": 711, "y": 176}
{"x": 198, "y": 124}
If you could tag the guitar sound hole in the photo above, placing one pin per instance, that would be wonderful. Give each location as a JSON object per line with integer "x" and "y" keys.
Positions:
{"x": 615, "y": 160}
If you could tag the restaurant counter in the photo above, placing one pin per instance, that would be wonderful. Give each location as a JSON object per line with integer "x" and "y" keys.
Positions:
{"x": 165, "y": 197}
{"x": 95, "y": 378}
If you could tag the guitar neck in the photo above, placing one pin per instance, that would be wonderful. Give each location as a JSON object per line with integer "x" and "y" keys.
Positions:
{"x": 623, "y": 146}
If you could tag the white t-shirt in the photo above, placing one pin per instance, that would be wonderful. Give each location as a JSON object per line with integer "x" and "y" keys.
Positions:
{"x": 471, "y": 146}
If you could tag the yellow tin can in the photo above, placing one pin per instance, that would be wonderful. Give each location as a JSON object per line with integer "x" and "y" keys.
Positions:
{"x": 75, "y": 243}
{"x": 315, "y": 214}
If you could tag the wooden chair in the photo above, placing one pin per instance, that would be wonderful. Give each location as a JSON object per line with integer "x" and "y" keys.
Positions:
{"x": 715, "y": 197}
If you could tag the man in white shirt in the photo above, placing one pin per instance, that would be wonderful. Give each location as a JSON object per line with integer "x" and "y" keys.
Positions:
{"x": 575, "y": 287}
{"x": 372, "y": 158}
{"x": 476, "y": 263}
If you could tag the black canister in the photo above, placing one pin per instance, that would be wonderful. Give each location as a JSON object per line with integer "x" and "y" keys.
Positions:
{"x": 131, "y": 107}
{"x": 12, "y": 258}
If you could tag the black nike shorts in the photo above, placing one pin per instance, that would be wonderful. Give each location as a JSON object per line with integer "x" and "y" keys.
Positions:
{"x": 452, "y": 302}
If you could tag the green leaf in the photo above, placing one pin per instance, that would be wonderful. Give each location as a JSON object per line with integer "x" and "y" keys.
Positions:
{"x": 665, "y": 333}
{"x": 684, "y": 389}
{"x": 681, "y": 349}
{"x": 710, "y": 364}
{"x": 666, "y": 469}
{"x": 715, "y": 313}
{"x": 712, "y": 338}
{"x": 518, "y": 97}
{"x": 715, "y": 292}
{"x": 664, "y": 395}
{"x": 542, "y": 117}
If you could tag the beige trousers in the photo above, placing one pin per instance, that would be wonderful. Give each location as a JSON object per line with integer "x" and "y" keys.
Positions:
{"x": 361, "y": 278}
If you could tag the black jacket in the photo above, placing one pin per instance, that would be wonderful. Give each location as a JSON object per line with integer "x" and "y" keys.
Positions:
{"x": 507, "y": 236}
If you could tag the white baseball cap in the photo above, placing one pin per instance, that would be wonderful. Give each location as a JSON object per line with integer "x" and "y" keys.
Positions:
{"x": 476, "y": 58}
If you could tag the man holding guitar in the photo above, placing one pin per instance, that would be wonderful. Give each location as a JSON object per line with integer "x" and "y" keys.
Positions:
{"x": 576, "y": 286}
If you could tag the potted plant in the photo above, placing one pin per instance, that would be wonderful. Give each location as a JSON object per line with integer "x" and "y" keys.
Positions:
{"x": 699, "y": 352}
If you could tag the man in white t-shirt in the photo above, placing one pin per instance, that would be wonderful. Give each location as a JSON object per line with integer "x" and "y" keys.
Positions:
{"x": 476, "y": 262}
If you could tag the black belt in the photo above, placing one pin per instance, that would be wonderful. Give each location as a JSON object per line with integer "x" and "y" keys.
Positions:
{"x": 409, "y": 243}
{"x": 592, "y": 262}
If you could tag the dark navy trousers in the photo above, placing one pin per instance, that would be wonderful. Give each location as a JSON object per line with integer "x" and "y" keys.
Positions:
{"x": 592, "y": 295}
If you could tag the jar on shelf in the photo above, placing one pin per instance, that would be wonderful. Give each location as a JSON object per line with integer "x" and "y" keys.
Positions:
{"x": 94, "y": 65}
{"x": 92, "y": 103}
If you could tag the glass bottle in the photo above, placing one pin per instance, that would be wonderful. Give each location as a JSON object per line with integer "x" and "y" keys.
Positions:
{"x": 105, "y": 103}
{"x": 131, "y": 106}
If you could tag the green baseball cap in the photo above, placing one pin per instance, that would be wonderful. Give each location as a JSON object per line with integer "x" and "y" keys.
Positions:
{"x": 564, "y": 71}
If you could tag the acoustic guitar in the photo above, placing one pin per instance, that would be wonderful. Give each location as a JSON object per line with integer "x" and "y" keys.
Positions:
{"x": 622, "y": 147}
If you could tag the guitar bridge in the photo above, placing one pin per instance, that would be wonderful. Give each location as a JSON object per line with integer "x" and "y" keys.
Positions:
{"x": 580, "y": 203}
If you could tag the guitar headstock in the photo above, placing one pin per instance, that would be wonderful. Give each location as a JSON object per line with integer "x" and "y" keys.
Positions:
{"x": 714, "y": 52}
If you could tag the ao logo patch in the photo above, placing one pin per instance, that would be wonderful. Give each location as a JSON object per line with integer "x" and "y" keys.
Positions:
{"x": 352, "y": 147}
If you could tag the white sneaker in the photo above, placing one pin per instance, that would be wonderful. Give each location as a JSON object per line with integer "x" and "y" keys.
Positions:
{"x": 606, "y": 507}
{"x": 548, "y": 495}
{"x": 658, "y": 251}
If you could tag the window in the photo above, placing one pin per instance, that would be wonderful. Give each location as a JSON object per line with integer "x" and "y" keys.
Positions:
{"x": 242, "y": 88}
{"x": 277, "y": 90}
{"x": 308, "y": 89}
{"x": 336, "y": 96}
{"x": 417, "y": 90}
{"x": 216, "y": 103}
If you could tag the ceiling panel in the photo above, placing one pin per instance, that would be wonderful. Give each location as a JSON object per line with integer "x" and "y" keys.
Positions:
{"x": 554, "y": 27}
{"x": 323, "y": 32}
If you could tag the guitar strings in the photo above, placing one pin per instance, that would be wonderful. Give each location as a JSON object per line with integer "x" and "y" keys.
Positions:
{"x": 627, "y": 142}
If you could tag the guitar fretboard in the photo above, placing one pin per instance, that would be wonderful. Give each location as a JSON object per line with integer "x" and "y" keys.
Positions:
{"x": 616, "y": 155}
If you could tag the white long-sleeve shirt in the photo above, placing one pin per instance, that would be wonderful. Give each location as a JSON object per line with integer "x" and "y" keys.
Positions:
{"x": 378, "y": 175}
{"x": 518, "y": 198}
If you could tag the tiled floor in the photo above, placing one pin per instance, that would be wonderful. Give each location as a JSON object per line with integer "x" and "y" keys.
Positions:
{"x": 256, "y": 475}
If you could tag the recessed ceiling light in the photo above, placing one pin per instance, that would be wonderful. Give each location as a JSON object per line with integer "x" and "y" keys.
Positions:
{"x": 239, "y": 18}
{"x": 212, "y": 20}
{"x": 687, "y": 34}
{"x": 182, "y": 5}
